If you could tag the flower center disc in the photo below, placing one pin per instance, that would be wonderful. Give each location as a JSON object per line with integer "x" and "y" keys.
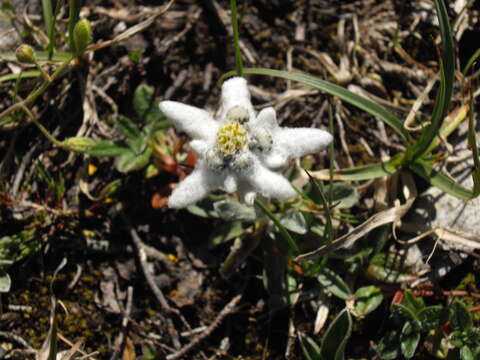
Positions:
{"x": 231, "y": 137}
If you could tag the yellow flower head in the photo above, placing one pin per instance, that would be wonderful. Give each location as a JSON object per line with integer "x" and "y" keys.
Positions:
{"x": 231, "y": 137}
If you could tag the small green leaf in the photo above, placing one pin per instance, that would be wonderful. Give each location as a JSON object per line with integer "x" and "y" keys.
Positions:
{"x": 230, "y": 209}
{"x": 406, "y": 314}
{"x": 148, "y": 353}
{"x": 368, "y": 298}
{"x": 142, "y": 100}
{"x": 466, "y": 353}
{"x": 107, "y": 148}
{"x": 457, "y": 338}
{"x": 294, "y": 221}
{"x": 5, "y": 282}
{"x": 460, "y": 316}
{"x": 130, "y": 161}
{"x": 413, "y": 303}
{"x": 127, "y": 127}
{"x": 145, "y": 107}
{"x": 225, "y": 232}
{"x": 203, "y": 209}
{"x": 432, "y": 317}
{"x": 343, "y": 193}
{"x": 135, "y": 55}
{"x": 384, "y": 269}
{"x": 336, "y": 337}
{"x": 139, "y": 144}
{"x": 334, "y": 283}
{"x": 389, "y": 345}
{"x": 473, "y": 336}
{"x": 110, "y": 189}
{"x": 409, "y": 339}
{"x": 310, "y": 348}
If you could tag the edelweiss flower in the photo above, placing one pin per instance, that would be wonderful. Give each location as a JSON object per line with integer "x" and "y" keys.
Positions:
{"x": 241, "y": 151}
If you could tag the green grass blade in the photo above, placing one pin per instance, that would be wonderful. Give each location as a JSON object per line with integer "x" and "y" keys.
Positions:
{"x": 472, "y": 143}
{"x": 471, "y": 61}
{"x": 318, "y": 186}
{"x": 236, "y": 39}
{"x": 51, "y": 35}
{"x": 58, "y": 56}
{"x": 23, "y": 75}
{"x": 342, "y": 93}
{"x": 331, "y": 152}
{"x": 373, "y": 171}
{"x": 440, "y": 180}
{"x": 447, "y": 77}
{"x": 73, "y": 14}
{"x": 285, "y": 234}
{"x": 49, "y": 20}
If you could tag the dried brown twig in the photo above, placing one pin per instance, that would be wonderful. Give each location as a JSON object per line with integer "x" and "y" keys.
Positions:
{"x": 228, "y": 309}
{"x": 126, "y": 316}
{"x": 142, "y": 256}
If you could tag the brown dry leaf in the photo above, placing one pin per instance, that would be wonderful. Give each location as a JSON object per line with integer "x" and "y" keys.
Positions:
{"x": 129, "y": 350}
{"x": 188, "y": 288}
{"x": 49, "y": 347}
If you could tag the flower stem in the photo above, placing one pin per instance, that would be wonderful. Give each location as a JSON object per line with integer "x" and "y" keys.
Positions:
{"x": 236, "y": 40}
{"x": 40, "y": 127}
{"x": 37, "y": 92}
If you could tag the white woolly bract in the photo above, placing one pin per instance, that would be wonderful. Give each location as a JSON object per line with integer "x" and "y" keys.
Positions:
{"x": 235, "y": 93}
{"x": 289, "y": 143}
{"x": 195, "y": 187}
{"x": 197, "y": 123}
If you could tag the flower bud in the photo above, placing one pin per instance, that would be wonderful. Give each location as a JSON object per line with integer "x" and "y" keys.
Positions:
{"x": 78, "y": 144}
{"x": 25, "y": 54}
{"x": 82, "y": 35}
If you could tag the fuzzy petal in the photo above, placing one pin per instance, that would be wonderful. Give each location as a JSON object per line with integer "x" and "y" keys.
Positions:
{"x": 195, "y": 187}
{"x": 294, "y": 143}
{"x": 235, "y": 93}
{"x": 268, "y": 183}
{"x": 200, "y": 147}
{"x": 267, "y": 119}
{"x": 230, "y": 184}
{"x": 302, "y": 141}
{"x": 197, "y": 123}
{"x": 275, "y": 159}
